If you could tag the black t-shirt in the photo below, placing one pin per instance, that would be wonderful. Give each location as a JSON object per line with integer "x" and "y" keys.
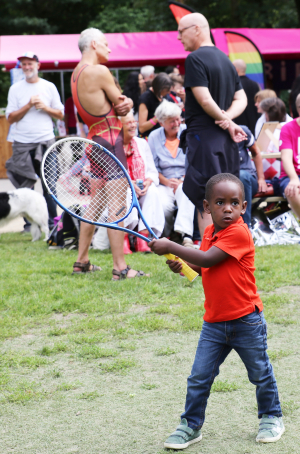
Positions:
{"x": 209, "y": 67}
{"x": 250, "y": 115}
{"x": 151, "y": 102}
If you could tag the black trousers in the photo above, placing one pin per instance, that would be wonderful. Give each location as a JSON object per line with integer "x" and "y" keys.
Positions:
{"x": 210, "y": 150}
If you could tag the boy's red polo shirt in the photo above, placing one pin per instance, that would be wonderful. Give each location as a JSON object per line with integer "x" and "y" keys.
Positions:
{"x": 229, "y": 287}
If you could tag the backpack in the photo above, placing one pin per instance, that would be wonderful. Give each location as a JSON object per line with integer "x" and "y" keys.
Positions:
{"x": 65, "y": 235}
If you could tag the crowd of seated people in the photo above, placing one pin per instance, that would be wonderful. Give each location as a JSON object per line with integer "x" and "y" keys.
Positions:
{"x": 151, "y": 144}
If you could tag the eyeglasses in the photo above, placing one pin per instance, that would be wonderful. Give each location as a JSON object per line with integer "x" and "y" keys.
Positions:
{"x": 182, "y": 30}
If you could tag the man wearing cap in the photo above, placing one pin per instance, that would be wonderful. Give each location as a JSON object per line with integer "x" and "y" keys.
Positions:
{"x": 32, "y": 103}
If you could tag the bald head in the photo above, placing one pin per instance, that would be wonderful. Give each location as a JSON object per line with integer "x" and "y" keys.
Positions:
{"x": 193, "y": 31}
{"x": 194, "y": 19}
{"x": 240, "y": 66}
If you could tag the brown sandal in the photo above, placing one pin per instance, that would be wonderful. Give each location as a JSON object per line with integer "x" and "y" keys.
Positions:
{"x": 85, "y": 268}
{"x": 123, "y": 274}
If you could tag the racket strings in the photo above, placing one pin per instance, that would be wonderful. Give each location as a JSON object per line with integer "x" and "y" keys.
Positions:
{"x": 81, "y": 175}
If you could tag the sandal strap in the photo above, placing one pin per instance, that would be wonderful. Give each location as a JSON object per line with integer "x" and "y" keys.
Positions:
{"x": 83, "y": 266}
{"x": 122, "y": 274}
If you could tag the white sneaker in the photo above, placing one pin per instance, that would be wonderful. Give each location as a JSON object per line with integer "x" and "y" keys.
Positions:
{"x": 270, "y": 429}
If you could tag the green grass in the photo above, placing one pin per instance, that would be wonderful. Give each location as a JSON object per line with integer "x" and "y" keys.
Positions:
{"x": 220, "y": 386}
{"x": 275, "y": 355}
{"x": 83, "y": 359}
{"x": 94, "y": 352}
{"x": 165, "y": 351}
{"x": 118, "y": 365}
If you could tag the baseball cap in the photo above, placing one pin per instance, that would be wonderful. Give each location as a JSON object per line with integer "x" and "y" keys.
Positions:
{"x": 30, "y": 55}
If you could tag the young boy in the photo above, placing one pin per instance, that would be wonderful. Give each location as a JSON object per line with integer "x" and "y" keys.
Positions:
{"x": 233, "y": 316}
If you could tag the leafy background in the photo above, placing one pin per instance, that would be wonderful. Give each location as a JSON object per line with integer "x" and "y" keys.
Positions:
{"x": 19, "y": 17}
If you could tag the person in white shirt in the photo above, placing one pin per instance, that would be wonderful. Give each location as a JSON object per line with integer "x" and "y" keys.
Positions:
{"x": 259, "y": 97}
{"x": 274, "y": 110}
{"x": 32, "y": 103}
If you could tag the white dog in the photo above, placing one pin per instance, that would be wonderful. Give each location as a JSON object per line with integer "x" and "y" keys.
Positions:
{"x": 26, "y": 203}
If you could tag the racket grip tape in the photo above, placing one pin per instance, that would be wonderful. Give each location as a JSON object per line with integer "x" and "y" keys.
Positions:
{"x": 186, "y": 270}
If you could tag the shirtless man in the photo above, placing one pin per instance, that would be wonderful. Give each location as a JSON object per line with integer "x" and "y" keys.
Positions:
{"x": 99, "y": 103}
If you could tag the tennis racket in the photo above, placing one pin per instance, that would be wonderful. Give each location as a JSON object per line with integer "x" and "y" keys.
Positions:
{"x": 91, "y": 184}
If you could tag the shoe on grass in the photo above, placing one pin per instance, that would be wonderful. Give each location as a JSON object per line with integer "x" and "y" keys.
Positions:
{"x": 270, "y": 429}
{"x": 183, "y": 437}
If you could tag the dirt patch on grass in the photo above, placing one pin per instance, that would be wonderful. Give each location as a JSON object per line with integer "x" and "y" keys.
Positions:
{"x": 293, "y": 289}
{"x": 137, "y": 309}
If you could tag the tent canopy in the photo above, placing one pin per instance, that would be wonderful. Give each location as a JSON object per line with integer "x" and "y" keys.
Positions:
{"x": 273, "y": 43}
{"x": 60, "y": 52}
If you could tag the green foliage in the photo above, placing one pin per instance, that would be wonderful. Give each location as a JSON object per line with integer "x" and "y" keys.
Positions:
{"x": 4, "y": 87}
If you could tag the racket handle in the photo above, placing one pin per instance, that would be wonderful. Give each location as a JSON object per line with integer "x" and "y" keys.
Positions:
{"x": 186, "y": 270}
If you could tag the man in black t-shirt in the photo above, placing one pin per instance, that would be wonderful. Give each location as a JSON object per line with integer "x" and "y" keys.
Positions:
{"x": 214, "y": 96}
{"x": 250, "y": 115}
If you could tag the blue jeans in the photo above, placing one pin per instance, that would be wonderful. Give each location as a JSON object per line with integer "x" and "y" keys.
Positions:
{"x": 248, "y": 337}
{"x": 250, "y": 184}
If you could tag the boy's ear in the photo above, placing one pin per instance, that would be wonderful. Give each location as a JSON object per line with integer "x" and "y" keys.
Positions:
{"x": 244, "y": 207}
{"x": 206, "y": 206}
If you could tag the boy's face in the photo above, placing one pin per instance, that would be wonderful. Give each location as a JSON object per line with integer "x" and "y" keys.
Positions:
{"x": 225, "y": 205}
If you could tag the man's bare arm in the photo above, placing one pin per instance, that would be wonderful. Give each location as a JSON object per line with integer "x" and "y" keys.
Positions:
{"x": 238, "y": 105}
{"x": 17, "y": 115}
{"x": 257, "y": 159}
{"x": 121, "y": 103}
{"x": 293, "y": 188}
{"x": 207, "y": 103}
{"x": 54, "y": 113}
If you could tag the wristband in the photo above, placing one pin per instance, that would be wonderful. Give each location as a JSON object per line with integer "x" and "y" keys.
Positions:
{"x": 153, "y": 122}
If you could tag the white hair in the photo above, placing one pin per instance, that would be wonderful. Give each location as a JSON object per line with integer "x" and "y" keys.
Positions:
{"x": 87, "y": 36}
{"x": 167, "y": 110}
{"x": 147, "y": 70}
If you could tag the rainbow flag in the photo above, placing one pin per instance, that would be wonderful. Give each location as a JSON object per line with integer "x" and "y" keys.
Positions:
{"x": 179, "y": 10}
{"x": 240, "y": 47}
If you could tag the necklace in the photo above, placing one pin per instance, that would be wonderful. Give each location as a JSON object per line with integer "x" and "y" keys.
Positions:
{"x": 128, "y": 149}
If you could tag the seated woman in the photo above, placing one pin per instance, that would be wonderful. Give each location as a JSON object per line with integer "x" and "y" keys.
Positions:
{"x": 141, "y": 167}
{"x": 274, "y": 110}
{"x": 290, "y": 162}
{"x": 260, "y": 95}
{"x": 170, "y": 163}
{"x": 149, "y": 101}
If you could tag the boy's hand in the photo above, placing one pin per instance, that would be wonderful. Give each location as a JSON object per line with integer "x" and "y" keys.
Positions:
{"x": 160, "y": 247}
{"x": 174, "y": 266}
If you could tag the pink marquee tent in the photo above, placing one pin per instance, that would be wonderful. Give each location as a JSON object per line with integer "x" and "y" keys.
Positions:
{"x": 60, "y": 52}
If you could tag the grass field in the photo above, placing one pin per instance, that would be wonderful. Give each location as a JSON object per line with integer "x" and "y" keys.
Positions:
{"x": 92, "y": 366}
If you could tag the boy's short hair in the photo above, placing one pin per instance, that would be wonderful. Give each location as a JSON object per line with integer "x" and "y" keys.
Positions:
{"x": 222, "y": 177}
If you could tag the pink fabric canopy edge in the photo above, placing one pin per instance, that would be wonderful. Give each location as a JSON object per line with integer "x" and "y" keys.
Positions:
{"x": 127, "y": 49}
{"x": 273, "y": 43}
{"x": 138, "y": 49}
